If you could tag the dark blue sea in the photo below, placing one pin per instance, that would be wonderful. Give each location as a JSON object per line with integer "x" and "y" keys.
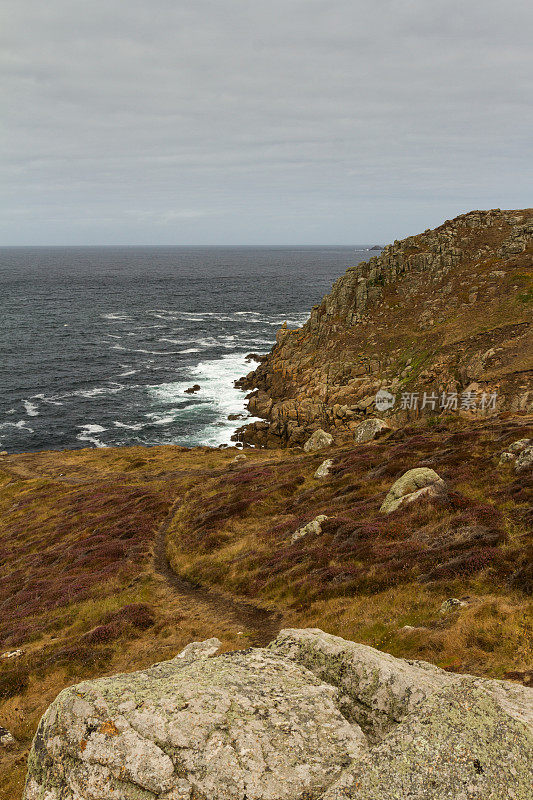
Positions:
{"x": 98, "y": 345}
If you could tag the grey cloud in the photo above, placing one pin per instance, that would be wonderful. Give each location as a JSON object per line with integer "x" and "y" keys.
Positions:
{"x": 236, "y": 121}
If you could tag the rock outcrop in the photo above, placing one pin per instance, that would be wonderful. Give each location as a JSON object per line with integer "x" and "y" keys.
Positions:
{"x": 519, "y": 454}
{"x": 313, "y": 528}
{"x": 318, "y": 441}
{"x": 6, "y": 738}
{"x": 413, "y": 485}
{"x": 370, "y": 429}
{"x": 311, "y": 716}
{"x": 444, "y": 316}
{"x": 324, "y": 469}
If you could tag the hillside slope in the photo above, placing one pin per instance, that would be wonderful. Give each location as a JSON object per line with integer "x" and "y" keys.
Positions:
{"x": 114, "y": 558}
{"x": 446, "y": 311}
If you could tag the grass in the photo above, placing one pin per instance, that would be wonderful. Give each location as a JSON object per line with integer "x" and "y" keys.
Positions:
{"x": 370, "y": 568}
{"x": 81, "y": 598}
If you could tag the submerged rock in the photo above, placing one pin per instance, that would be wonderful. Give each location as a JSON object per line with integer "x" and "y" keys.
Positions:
{"x": 311, "y": 716}
{"x": 413, "y": 485}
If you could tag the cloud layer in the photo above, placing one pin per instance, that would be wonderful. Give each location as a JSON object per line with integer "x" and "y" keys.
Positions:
{"x": 239, "y": 121}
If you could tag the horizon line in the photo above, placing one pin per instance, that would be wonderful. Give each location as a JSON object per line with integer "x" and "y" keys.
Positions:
{"x": 220, "y": 246}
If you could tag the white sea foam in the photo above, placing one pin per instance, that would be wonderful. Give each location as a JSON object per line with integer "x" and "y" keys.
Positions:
{"x": 161, "y": 419}
{"x": 117, "y": 317}
{"x": 216, "y": 379}
{"x": 137, "y": 426}
{"x": 150, "y": 352}
{"x": 31, "y": 408}
{"x": 98, "y": 390}
{"x": 48, "y": 400}
{"x": 20, "y": 424}
{"x": 87, "y": 432}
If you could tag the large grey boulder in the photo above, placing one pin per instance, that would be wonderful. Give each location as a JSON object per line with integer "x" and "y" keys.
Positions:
{"x": 370, "y": 429}
{"x": 311, "y": 716}
{"x": 318, "y": 441}
{"x": 243, "y": 726}
{"x": 413, "y": 485}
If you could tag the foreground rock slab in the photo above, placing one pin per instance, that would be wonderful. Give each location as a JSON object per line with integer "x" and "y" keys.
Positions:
{"x": 311, "y": 716}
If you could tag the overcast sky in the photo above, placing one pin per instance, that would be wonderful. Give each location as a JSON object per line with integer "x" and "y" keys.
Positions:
{"x": 253, "y": 122}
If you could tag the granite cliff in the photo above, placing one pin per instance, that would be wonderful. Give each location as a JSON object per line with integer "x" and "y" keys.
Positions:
{"x": 444, "y": 312}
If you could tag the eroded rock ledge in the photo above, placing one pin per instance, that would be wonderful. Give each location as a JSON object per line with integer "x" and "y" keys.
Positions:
{"x": 310, "y": 716}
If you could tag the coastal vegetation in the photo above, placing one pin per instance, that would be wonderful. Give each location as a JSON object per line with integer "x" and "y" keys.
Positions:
{"x": 116, "y": 558}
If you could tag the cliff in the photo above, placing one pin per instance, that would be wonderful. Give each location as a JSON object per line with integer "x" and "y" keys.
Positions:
{"x": 444, "y": 312}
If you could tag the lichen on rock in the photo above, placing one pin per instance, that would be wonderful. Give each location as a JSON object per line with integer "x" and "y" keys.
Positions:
{"x": 311, "y": 716}
{"x": 413, "y": 485}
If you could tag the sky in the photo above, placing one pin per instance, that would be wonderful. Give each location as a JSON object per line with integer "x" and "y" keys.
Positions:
{"x": 232, "y": 122}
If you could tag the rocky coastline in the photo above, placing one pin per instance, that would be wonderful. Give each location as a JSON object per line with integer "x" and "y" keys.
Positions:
{"x": 444, "y": 312}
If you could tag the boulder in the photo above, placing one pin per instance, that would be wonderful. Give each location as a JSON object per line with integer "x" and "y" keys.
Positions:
{"x": 314, "y": 527}
{"x": 246, "y": 725}
{"x": 7, "y": 741}
{"x": 369, "y": 429}
{"x": 451, "y": 604}
{"x": 524, "y": 460}
{"x": 324, "y": 469}
{"x": 318, "y": 441}
{"x": 310, "y": 716}
{"x": 13, "y": 653}
{"x": 520, "y": 454}
{"x": 413, "y": 485}
{"x": 519, "y": 445}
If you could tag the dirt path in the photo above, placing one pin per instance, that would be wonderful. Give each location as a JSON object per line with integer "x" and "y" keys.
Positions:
{"x": 261, "y": 624}
{"x": 221, "y": 609}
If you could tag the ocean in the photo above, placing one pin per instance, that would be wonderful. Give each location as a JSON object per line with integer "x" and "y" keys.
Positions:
{"x": 98, "y": 345}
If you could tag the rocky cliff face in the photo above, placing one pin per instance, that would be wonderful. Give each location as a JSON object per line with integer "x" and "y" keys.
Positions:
{"x": 311, "y": 716}
{"x": 444, "y": 312}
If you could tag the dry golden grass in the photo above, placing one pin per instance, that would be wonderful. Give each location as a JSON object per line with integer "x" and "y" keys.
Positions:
{"x": 82, "y": 598}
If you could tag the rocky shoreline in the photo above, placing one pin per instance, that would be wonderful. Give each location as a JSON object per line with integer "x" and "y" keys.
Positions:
{"x": 446, "y": 312}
